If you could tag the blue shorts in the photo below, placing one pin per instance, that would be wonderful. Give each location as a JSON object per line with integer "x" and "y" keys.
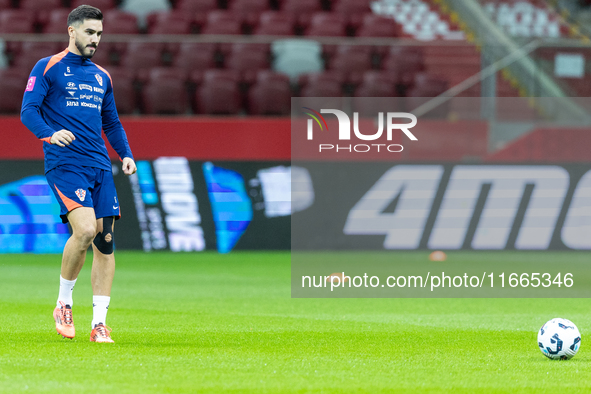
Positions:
{"x": 90, "y": 187}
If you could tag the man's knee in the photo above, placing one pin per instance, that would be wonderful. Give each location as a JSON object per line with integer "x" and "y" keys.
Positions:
{"x": 104, "y": 240}
{"x": 85, "y": 234}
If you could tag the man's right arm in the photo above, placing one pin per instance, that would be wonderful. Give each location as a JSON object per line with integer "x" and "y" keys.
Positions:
{"x": 35, "y": 92}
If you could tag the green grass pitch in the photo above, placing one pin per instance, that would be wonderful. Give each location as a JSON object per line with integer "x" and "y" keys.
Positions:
{"x": 209, "y": 323}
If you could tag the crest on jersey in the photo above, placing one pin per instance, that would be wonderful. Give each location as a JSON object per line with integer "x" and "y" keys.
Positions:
{"x": 81, "y": 193}
{"x": 99, "y": 79}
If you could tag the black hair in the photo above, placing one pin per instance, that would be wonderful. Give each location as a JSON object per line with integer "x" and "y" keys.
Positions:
{"x": 83, "y": 12}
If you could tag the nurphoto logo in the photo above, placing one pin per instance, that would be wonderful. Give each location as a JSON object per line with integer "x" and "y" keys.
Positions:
{"x": 344, "y": 132}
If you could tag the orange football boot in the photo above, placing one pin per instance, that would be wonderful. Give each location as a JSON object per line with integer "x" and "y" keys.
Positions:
{"x": 101, "y": 333}
{"x": 64, "y": 322}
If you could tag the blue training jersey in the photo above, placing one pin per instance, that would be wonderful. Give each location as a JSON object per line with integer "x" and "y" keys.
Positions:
{"x": 68, "y": 91}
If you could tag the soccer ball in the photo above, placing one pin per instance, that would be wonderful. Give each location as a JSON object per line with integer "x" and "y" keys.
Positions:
{"x": 559, "y": 339}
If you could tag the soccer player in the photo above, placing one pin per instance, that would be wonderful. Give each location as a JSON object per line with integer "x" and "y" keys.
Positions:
{"x": 68, "y": 99}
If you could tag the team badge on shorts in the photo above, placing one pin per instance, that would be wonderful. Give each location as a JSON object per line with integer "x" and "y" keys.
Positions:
{"x": 99, "y": 79}
{"x": 81, "y": 193}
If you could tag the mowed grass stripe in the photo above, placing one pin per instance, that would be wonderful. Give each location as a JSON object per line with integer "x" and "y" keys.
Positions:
{"x": 213, "y": 323}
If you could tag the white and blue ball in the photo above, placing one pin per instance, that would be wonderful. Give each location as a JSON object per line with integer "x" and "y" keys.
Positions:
{"x": 559, "y": 339}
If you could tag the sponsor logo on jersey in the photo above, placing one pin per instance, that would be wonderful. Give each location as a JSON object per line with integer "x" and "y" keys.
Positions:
{"x": 30, "y": 84}
{"x": 72, "y": 93}
{"x": 99, "y": 108}
{"x": 72, "y": 104}
{"x": 71, "y": 86}
{"x": 85, "y": 87}
{"x": 99, "y": 90}
{"x": 86, "y": 96}
{"x": 98, "y": 99}
{"x": 81, "y": 193}
{"x": 89, "y": 105}
{"x": 99, "y": 79}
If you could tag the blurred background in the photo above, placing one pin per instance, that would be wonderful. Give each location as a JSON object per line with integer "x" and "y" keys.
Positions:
{"x": 204, "y": 91}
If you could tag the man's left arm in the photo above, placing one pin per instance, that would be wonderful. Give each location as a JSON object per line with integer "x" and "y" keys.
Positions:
{"x": 115, "y": 132}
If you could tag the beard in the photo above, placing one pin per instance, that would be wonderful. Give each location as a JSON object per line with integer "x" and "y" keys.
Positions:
{"x": 85, "y": 51}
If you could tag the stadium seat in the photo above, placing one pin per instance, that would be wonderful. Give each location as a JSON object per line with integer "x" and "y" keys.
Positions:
{"x": 165, "y": 92}
{"x": 353, "y": 61}
{"x": 247, "y": 60}
{"x": 32, "y": 52}
{"x": 57, "y": 21}
{"x": 5, "y": 4}
{"x": 274, "y": 23}
{"x": 301, "y": 9}
{"x": 270, "y": 95}
{"x": 123, "y": 89}
{"x": 378, "y": 26}
{"x": 104, "y": 54}
{"x": 142, "y": 8}
{"x": 39, "y": 5}
{"x": 296, "y": 57}
{"x": 102, "y": 5}
{"x": 140, "y": 57}
{"x": 327, "y": 24}
{"x": 17, "y": 21}
{"x": 404, "y": 63}
{"x": 219, "y": 93}
{"x": 173, "y": 22}
{"x": 326, "y": 84}
{"x": 119, "y": 22}
{"x": 249, "y": 10}
{"x": 196, "y": 6}
{"x": 12, "y": 85}
{"x": 353, "y": 10}
{"x": 195, "y": 58}
{"x": 427, "y": 86}
{"x": 376, "y": 84}
{"x": 222, "y": 22}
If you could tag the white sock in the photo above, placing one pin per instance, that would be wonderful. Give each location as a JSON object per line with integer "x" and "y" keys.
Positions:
{"x": 100, "y": 306}
{"x": 66, "y": 289}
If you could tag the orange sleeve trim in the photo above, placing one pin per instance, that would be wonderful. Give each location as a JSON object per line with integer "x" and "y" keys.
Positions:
{"x": 70, "y": 204}
{"x": 55, "y": 59}
{"x": 46, "y": 139}
{"x": 106, "y": 72}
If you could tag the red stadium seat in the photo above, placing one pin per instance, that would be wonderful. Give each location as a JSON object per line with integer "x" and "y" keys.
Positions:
{"x": 123, "y": 89}
{"x": 327, "y": 84}
{"x": 32, "y": 52}
{"x": 301, "y": 9}
{"x": 40, "y": 5}
{"x": 173, "y": 22}
{"x": 274, "y": 23}
{"x": 219, "y": 93}
{"x": 141, "y": 57}
{"x": 17, "y": 21}
{"x": 222, "y": 22}
{"x": 270, "y": 95}
{"x": 102, "y": 5}
{"x": 12, "y": 85}
{"x": 103, "y": 55}
{"x": 193, "y": 6}
{"x": 377, "y": 84}
{"x": 119, "y": 22}
{"x": 404, "y": 63}
{"x": 57, "y": 21}
{"x": 165, "y": 92}
{"x": 5, "y": 4}
{"x": 353, "y": 61}
{"x": 327, "y": 24}
{"x": 378, "y": 26}
{"x": 249, "y": 10}
{"x": 195, "y": 58}
{"x": 248, "y": 60}
{"x": 353, "y": 10}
